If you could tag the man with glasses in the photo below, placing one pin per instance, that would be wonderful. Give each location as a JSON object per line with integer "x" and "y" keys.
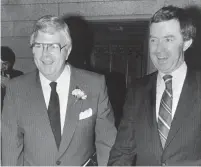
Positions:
{"x": 58, "y": 114}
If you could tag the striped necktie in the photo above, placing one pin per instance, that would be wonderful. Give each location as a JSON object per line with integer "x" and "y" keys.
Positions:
{"x": 165, "y": 110}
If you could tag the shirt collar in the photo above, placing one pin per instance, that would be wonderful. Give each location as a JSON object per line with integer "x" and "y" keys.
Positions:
{"x": 59, "y": 80}
{"x": 181, "y": 71}
{"x": 63, "y": 78}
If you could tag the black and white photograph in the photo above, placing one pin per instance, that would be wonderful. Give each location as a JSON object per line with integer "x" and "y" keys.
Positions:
{"x": 100, "y": 83}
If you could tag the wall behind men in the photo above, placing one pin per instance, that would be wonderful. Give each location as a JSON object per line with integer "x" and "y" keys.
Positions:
{"x": 18, "y": 17}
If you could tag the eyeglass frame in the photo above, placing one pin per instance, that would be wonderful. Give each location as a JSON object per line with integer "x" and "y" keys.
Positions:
{"x": 48, "y": 44}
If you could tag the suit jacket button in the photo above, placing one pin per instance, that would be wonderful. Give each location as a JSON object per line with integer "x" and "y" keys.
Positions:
{"x": 58, "y": 162}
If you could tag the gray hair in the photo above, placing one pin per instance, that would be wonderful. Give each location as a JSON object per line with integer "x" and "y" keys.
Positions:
{"x": 51, "y": 24}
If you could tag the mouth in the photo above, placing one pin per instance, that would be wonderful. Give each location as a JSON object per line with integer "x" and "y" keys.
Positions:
{"x": 162, "y": 60}
{"x": 47, "y": 62}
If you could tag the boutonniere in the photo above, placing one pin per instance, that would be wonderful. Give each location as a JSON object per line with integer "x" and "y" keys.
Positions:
{"x": 79, "y": 94}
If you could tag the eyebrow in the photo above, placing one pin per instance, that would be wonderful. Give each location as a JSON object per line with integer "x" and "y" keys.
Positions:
{"x": 151, "y": 36}
{"x": 169, "y": 36}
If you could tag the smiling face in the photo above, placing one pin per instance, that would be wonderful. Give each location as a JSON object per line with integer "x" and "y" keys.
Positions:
{"x": 167, "y": 46}
{"x": 50, "y": 63}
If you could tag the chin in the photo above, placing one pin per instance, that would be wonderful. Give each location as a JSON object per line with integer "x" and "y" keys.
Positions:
{"x": 166, "y": 71}
{"x": 46, "y": 72}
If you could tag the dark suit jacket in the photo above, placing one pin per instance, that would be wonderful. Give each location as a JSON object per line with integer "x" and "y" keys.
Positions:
{"x": 138, "y": 141}
{"x": 27, "y": 137}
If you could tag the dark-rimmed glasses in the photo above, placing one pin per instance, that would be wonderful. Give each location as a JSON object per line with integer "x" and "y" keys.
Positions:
{"x": 51, "y": 47}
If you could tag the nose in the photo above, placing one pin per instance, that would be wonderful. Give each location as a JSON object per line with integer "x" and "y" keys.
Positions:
{"x": 159, "y": 47}
{"x": 45, "y": 50}
{"x": 45, "y": 54}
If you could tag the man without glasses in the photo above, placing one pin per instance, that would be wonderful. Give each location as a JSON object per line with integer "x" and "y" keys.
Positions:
{"x": 161, "y": 124}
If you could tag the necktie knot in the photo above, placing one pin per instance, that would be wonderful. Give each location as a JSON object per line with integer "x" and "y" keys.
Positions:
{"x": 53, "y": 86}
{"x": 168, "y": 81}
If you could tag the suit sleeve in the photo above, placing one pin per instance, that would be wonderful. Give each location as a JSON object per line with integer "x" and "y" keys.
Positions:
{"x": 123, "y": 152}
{"x": 105, "y": 129}
{"x": 12, "y": 136}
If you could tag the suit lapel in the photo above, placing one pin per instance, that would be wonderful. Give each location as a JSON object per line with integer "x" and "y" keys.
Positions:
{"x": 41, "y": 108}
{"x": 151, "y": 106}
{"x": 72, "y": 113}
{"x": 39, "y": 98}
{"x": 185, "y": 105}
{"x": 36, "y": 110}
{"x": 152, "y": 113}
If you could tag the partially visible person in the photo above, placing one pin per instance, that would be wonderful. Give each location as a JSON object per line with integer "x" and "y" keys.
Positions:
{"x": 58, "y": 114}
{"x": 7, "y": 62}
{"x": 161, "y": 122}
{"x": 7, "y": 70}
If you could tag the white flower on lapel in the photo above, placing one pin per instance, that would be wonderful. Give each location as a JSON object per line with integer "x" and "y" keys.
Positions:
{"x": 79, "y": 94}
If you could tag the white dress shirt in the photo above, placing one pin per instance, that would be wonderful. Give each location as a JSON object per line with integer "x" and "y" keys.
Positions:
{"x": 63, "y": 83}
{"x": 178, "y": 77}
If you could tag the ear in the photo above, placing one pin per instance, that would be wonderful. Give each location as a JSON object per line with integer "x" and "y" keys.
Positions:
{"x": 68, "y": 51}
{"x": 32, "y": 51}
{"x": 187, "y": 44}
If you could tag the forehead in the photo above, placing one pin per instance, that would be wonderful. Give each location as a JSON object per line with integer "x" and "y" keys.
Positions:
{"x": 165, "y": 28}
{"x": 44, "y": 37}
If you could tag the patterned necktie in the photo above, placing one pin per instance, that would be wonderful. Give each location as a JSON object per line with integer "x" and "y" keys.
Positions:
{"x": 165, "y": 110}
{"x": 54, "y": 113}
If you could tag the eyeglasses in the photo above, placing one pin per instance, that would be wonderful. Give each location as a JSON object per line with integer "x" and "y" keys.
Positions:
{"x": 51, "y": 47}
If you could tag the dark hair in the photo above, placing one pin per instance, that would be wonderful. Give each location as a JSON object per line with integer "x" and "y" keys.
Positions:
{"x": 187, "y": 26}
{"x": 7, "y": 55}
